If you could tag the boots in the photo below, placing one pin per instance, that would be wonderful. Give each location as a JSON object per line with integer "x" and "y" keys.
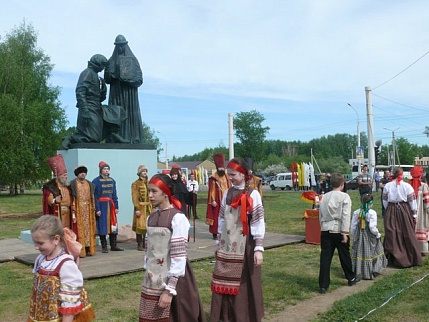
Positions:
{"x": 103, "y": 241}
{"x": 113, "y": 246}
{"x": 140, "y": 242}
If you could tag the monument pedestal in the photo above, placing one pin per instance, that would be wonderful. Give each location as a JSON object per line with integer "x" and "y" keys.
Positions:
{"x": 123, "y": 160}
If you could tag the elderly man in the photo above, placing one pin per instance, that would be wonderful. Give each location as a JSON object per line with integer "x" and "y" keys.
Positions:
{"x": 83, "y": 194}
{"x": 218, "y": 184}
{"x": 57, "y": 197}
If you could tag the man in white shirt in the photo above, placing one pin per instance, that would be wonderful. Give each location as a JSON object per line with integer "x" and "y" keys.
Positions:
{"x": 335, "y": 212}
{"x": 192, "y": 186}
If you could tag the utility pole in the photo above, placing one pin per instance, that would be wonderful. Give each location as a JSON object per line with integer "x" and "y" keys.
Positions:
{"x": 358, "y": 138}
{"x": 231, "y": 135}
{"x": 393, "y": 145}
{"x": 370, "y": 122}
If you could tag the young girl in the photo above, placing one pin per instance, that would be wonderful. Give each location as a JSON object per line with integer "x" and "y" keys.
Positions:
{"x": 169, "y": 291}
{"x": 368, "y": 257}
{"x": 236, "y": 283}
{"x": 58, "y": 293}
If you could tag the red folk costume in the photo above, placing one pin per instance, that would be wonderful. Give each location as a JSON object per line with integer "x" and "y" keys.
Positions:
{"x": 65, "y": 209}
{"x": 217, "y": 186}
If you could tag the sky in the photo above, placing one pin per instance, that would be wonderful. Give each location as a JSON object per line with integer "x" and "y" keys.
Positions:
{"x": 299, "y": 63}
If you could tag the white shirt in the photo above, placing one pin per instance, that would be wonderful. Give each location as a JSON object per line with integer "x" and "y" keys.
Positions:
{"x": 403, "y": 192}
{"x": 371, "y": 219}
{"x": 192, "y": 186}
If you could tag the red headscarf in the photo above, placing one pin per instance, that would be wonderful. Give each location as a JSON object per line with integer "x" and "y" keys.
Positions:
{"x": 416, "y": 172}
{"x": 243, "y": 200}
{"x": 161, "y": 185}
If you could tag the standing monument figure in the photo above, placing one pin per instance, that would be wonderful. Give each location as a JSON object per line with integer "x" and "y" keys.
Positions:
{"x": 125, "y": 77}
{"x": 95, "y": 122}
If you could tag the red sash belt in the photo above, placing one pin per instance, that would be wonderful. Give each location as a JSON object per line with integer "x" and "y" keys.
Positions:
{"x": 113, "y": 220}
{"x": 246, "y": 203}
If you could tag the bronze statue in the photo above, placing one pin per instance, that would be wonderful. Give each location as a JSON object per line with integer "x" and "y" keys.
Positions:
{"x": 125, "y": 77}
{"x": 95, "y": 122}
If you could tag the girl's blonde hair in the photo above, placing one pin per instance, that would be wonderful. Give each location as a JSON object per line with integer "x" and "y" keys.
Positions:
{"x": 50, "y": 225}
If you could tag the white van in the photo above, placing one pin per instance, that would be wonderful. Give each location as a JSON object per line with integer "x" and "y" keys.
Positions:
{"x": 282, "y": 181}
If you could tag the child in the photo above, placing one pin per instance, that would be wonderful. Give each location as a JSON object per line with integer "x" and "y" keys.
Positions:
{"x": 368, "y": 257}
{"x": 58, "y": 292}
{"x": 236, "y": 284}
{"x": 169, "y": 291}
{"x": 334, "y": 218}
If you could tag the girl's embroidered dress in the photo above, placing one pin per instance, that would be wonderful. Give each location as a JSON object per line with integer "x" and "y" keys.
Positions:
{"x": 57, "y": 290}
{"x": 167, "y": 267}
{"x": 236, "y": 283}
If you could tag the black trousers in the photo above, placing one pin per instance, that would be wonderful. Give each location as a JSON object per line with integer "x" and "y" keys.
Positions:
{"x": 328, "y": 243}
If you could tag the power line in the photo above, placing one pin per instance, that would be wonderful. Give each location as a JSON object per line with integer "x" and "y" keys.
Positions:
{"x": 414, "y": 108}
{"x": 400, "y": 72}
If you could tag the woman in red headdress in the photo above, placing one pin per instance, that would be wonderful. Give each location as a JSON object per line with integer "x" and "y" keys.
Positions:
{"x": 169, "y": 291}
{"x": 236, "y": 283}
{"x": 421, "y": 191}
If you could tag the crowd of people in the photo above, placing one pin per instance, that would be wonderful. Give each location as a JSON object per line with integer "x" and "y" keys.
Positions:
{"x": 76, "y": 213}
{"x": 405, "y": 212}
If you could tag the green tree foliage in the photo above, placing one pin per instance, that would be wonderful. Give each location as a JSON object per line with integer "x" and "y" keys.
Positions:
{"x": 30, "y": 113}
{"x": 406, "y": 151}
{"x": 251, "y": 134}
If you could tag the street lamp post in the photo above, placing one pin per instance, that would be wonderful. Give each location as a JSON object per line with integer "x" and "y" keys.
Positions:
{"x": 393, "y": 144}
{"x": 358, "y": 136}
{"x": 166, "y": 149}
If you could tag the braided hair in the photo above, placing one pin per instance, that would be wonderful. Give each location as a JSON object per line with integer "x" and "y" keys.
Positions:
{"x": 365, "y": 206}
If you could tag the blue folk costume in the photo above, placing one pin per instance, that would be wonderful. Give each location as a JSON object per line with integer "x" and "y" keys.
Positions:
{"x": 106, "y": 201}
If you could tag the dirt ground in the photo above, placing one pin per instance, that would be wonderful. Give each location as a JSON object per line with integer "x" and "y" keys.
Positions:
{"x": 310, "y": 309}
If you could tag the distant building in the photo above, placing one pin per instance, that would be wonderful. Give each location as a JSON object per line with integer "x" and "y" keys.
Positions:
{"x": 423, "y": 161}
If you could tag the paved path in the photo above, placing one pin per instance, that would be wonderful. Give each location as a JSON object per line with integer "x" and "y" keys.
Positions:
{"x": 130, "y": 260}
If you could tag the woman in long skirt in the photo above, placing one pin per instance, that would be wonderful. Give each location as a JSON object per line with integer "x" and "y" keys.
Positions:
{"x": 400, "y": 241}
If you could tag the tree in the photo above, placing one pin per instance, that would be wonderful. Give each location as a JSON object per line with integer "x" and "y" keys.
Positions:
{"x": 30, "y": 113}
{"x": 251, "y": 134}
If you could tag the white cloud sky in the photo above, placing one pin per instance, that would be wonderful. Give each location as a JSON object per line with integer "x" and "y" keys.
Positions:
{"x": 297, "y": 62}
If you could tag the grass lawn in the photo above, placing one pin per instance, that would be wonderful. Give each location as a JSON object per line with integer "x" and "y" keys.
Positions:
{"x": 290, "y": 273}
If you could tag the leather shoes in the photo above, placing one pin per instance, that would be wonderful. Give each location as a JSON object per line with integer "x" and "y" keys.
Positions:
{"x": 354, "y": 281}
{"x": 323, "y": 290}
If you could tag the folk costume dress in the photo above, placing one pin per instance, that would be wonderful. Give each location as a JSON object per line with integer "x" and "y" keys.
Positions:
{"x": 236, "y": 284}
{"x": 167, "y": 268}
{"x": 106, "y": 201}
{"x": 422, "y": 222}
{"x": 84, "y": 203}
{"x": 64, "y": 209}
{"x": 217, "y": 186}
{"x": 400, "y": 241}
{"x": 58, "y": 290}
{"x": 368, "y": 257}
{"x": 140, "y": 196}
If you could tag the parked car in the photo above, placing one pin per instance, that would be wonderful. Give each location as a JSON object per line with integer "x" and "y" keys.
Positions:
{"x": 264, "y": 178}
{"x": 352, "y": 184}
{"x": 282, "y": 181}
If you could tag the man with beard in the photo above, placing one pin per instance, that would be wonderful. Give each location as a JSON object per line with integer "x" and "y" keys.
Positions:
{"x": 106, "y": 208}
{"x": 218, "y": 184}
{"x": 83, "y": 194}
{"x": 57, "y": 197}
{"x": 142, "y": 206}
